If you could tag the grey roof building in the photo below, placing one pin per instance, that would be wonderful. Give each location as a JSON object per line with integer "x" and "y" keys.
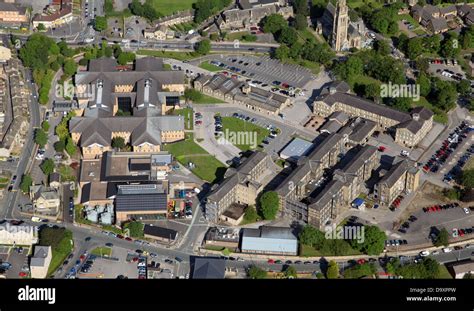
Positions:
{"x": 208, "y": 268}
{"x": 129, "y": 104}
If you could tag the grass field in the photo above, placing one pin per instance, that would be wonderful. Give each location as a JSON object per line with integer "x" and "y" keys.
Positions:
{"x": 210, "y": 67}
{"x": 167, "y": 7}
{"x": 444, "y": 273}
{"x": 205, "y": 99}
{"x": 206, "y": 166}
{"x": 234, "y": 125}
{"x": 169, "y": 54}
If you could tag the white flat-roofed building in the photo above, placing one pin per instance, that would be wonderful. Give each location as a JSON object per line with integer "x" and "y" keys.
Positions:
{"x": 269, "y": 240}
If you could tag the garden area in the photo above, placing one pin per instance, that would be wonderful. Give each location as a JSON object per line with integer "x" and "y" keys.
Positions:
{"x": 194, "y": 157}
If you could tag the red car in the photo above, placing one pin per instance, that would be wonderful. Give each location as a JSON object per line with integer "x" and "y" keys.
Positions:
{"x": 461, "y": 232}
{"x": 382, "y": 149}
{"x": 271, "y": 261}
{"x": 82, "y": 257}
{"x": 119, "y": 236}
{"x": 128, "y": 239}
{"x": 285, "y": 85}
{"x": 22, "y": 274}
{"x": 361, "y": 261}
{"x": 198, "y": 122}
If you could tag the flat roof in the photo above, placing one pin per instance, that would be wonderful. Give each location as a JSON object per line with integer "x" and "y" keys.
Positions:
{"x": 296, "y": 148}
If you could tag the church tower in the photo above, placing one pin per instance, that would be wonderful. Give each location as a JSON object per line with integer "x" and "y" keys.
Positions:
{"x": 340, "y": 26}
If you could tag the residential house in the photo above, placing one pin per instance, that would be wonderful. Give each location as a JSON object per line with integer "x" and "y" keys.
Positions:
{"x": 40, "y": 261}
{"x": 45, "y": 200}
{"x": 56, "y": 14}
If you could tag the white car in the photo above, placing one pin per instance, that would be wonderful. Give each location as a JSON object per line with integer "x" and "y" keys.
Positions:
{"x": 424, "y": 253}
{"x": 35, "y": 219}
{"x": 466, "y": 210}
{"x": 447, "y": 250}
{"x": 404, "y": 153}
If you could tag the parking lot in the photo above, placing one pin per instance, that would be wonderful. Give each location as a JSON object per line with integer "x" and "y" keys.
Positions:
{"x": 111, "y": 268}
{"x": 18, "y": 260}
{"x": 266, "y": 70}
{"x": 446, "y": 69}
{"x": 453, "y": 147}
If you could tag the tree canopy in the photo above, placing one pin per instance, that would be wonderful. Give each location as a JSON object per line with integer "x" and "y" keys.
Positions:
{"x": 269, "y": 204}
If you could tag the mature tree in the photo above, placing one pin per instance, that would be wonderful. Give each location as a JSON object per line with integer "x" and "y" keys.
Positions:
{"x": 468, "y": 178}
{"x": 60, "y": 145}
{"x": 464, "y": 87}
{"x": 382, "y": 47}
{"x": 26, "y": 182}
{"x": 118, "y": 142}
{"x": 415, "y": 47}
{"x": 257, "y": 273}
{"x": 443, "y": 94}
{"x": 300, "y": 22}
{"x": 425, "y": 84}
{"x": 301, "y": 7}
{"x": 47, "y": 166}
{"x": 269, "y": 204}
{"x": 206, "y": 8}
{"x": 442, "y": 239}
{"x": 450, "y": 47}
{"x": 274, "y": 23}
{"x": 333, "y": 270}
{"x": 35, "y": 53}
{"x": 70, "y": 146}
{"x": 41, "y": 27}
{"x": 126, "y": 57}
{"x": 192, "y": 95}
{"x": 352, "y": 67}
{"x": 203, "y": 47}
{"x": 282, "y": 52}
{"x": 359, "y": 271}
{"x": 41, "y": 138}
{"x": 287, "y": 35}
{"x": 373, "y": 243}
{"x": 422, "y": 64}
{"x": 100, "y": 23}
{"x": 312, "y": 237}
{"x": 250, "y": 214}
{"x": 45, "y": 126}
{"x": 134, "y": 229}
{"x": 70, "y": 67}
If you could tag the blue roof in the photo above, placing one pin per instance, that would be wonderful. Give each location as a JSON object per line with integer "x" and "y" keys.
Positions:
{"x": 358, "y": 202}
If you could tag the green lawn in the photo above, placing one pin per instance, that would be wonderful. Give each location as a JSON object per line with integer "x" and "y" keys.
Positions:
{"x": 169, "y": 54}
{"x": 237, "y": 126}
{"x": 236, "y": 35}
{"x": 210, "y": 67}
{"x": 206, "y": 166}
{"x": 188, "y": 117}
{"x": 167, "y": 7}
{"x": 61, "y": 251}
{"x": 205, "y": 99}
{"x": 102, "y": 251}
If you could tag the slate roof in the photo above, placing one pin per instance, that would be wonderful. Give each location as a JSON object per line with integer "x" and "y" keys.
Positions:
{"x": 208, "y": 268}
